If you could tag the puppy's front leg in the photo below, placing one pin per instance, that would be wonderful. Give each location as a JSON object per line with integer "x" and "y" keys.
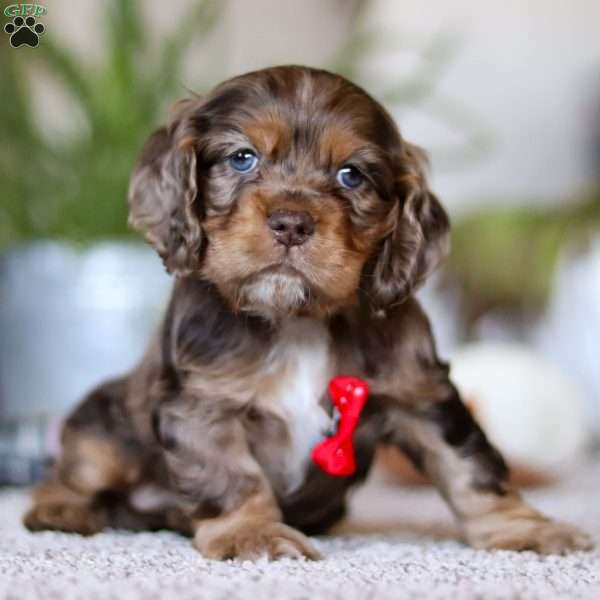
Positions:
{"x": 226, "y": 496}
{"x": 251, "y": 530}
{"x": 447, "y": 444}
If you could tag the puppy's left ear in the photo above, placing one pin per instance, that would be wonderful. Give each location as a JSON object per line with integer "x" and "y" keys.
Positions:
{"x": 419, "y": 234}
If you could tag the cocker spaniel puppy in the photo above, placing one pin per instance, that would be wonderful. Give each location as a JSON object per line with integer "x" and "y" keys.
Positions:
{"x": 298, "y": 224}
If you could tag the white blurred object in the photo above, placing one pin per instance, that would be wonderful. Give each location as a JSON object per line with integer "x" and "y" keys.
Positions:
{"x": 529, "y": 408}
{"x": 442, "y": 306}
{"x": 569, "y": 333}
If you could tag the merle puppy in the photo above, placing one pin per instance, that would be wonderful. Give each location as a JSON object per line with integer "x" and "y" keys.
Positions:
{"x": 298, "y": 224}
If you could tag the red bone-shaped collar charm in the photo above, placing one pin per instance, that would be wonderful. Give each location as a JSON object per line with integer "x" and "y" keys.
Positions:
{"x": 335, "y": 455}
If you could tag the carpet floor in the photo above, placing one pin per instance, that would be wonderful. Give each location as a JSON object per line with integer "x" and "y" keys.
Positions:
{"x": 398, "y": 543}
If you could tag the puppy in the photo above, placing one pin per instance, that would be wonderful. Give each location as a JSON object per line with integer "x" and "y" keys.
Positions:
{"x": 298, "y": 224}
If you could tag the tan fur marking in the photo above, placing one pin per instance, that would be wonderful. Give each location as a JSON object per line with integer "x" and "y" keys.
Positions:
{"x": 269, "y": 134}
{"x": 94, "y": 464}
{"x": 337, "y": 144}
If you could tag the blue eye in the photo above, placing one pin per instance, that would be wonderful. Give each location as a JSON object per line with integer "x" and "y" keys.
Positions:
{"x": 243, "y": 161}
{"x": 349, "y": 177}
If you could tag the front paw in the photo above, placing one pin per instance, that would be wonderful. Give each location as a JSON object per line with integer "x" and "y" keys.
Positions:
{"x": 252, "y": 541}
{"x": 528, "y": 532}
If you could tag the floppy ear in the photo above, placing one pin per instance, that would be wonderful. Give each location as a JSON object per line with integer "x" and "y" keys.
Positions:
{"x": 163, "y": 197}
{"x": 418, "y": 239}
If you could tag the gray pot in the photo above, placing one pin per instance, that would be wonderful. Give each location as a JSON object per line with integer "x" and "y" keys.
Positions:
{"x": 69, "y": 318}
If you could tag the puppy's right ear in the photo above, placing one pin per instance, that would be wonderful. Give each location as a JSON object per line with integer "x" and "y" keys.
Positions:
{"x": 163, "y": 197}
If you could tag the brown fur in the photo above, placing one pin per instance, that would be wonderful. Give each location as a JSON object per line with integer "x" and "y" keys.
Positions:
{"x": 211, "y": 433}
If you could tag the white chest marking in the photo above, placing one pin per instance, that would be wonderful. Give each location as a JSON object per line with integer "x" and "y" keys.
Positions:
{"x": 302, "y": 357}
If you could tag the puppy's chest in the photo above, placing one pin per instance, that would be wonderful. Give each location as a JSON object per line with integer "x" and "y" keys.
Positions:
{"x": 293, "y": 418}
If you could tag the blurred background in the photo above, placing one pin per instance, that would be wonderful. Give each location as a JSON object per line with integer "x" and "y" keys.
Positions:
{"x": 504, "y": 97}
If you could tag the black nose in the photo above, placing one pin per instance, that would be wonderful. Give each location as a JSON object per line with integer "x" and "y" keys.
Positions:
{"x": 291, "y": 227}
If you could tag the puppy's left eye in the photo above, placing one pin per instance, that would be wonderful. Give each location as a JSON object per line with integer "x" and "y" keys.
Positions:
{"x": 349, "y": 177}
{"x": 243, "y": 161}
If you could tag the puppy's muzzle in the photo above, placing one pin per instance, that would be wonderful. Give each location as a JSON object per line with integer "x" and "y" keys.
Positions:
{"x": 291, "y": 227}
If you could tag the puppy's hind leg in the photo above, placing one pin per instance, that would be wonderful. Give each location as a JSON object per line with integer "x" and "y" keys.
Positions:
{"x": 58, "y": 507}
{"x": 93, "y": 463}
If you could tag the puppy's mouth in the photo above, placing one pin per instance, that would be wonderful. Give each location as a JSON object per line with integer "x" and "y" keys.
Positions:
{"x": 284, "y": 270}
{"x": 278, "y": 289}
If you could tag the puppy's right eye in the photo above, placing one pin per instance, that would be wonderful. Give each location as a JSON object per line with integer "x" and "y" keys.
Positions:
{"x": 243, "y": 161}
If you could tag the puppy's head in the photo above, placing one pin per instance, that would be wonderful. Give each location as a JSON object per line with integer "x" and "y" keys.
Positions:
{"x": 292, "y": 191}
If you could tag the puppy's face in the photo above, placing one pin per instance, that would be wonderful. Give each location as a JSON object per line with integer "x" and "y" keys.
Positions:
{"x": 291, "y": 190}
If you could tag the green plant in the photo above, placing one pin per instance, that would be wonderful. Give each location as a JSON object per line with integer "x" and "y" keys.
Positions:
{"x": 75, "y": 187}
{"x": 506, "y": 257}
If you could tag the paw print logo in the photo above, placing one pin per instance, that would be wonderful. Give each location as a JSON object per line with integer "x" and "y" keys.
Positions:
{"x": 24, "y": 32}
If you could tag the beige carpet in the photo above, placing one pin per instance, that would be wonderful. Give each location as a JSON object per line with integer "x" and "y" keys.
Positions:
{"x": 402, "y": 546}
